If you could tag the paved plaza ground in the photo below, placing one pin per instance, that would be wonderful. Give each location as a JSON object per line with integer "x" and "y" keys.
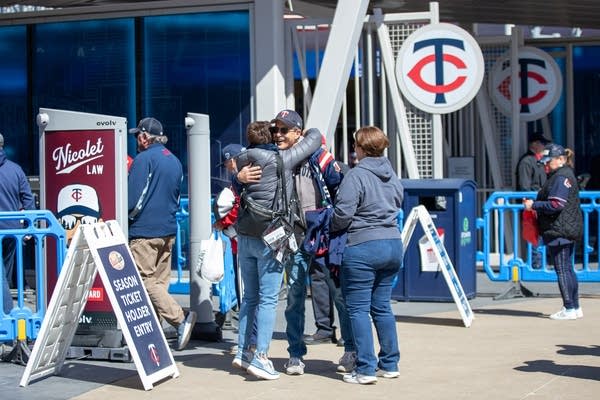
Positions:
{"x": 511, "y": 351}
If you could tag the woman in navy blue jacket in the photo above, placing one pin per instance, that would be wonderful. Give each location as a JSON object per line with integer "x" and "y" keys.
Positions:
{"x": 560, "y": 223}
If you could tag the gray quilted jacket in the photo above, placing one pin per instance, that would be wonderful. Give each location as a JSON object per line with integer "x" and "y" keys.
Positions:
{"x": 264, "y": 191}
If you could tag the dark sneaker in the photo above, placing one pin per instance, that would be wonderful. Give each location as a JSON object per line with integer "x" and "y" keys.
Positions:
{"x": 319, "y": 338}
{"x": 348, "y": 362}
{"x": 184, "y": 330}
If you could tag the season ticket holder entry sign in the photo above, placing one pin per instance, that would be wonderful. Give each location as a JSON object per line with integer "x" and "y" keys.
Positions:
{"x": 101, "y": 249}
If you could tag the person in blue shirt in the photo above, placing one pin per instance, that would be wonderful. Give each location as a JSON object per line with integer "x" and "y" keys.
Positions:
{"x": 560, "y": 223}
{"x": 154, "y": 185}
{"x": 15, "y": 195}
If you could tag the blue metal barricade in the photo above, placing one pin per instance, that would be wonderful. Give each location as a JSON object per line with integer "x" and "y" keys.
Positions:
{"x": 41, "y": 228}
{"x": 181, "y": 285}
{"x": 505, "y": 208}
{"x": 225, "y": 289}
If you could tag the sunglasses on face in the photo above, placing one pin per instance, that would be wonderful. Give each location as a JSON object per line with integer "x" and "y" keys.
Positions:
{"x": 275, "y": 129}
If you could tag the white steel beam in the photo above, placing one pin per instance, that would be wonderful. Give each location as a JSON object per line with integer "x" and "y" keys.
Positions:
{"x": 337, "y": 62}
{"x": 394, "y": 93}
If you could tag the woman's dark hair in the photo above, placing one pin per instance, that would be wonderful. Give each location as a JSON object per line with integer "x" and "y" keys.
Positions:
{"x": 257, "y": 132}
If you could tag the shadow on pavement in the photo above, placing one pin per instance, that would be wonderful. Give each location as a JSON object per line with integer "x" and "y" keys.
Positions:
{"x": 571, "y": 350}
{"x": 567, "y": 370}
{"x": 430, "y": 320}
{"x": 512, "y": 313}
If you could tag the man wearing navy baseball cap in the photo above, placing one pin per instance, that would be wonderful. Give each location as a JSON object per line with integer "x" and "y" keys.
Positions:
{"x": 148, "y": 125}
{"x": 154, "y": 188}
{"x": 289, "y": 118}
{"x": 229, "y": 153}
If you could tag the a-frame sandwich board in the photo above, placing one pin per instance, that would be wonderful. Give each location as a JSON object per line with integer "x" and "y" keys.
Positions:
{"x": 420, "y": 214}
{"x": 101, "y": 248}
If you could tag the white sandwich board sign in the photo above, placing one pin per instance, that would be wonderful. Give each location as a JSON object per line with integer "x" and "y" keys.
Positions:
{"x": 420, "y": 214}
{"x": 101, "y": 248}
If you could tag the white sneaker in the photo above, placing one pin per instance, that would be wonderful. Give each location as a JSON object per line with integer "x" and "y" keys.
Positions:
{"x": 564, "y": 314}
{"x": 184, "y": 330}
{"x": 294, "y": 366}
{"x": 579, "y": 312}
{"x": 382, "y": 373}
{"x": 242, "y": 361}
{"x": 262, "y": 368}
{"x": 355, "y": 377}
{"x": 348, "y": 362}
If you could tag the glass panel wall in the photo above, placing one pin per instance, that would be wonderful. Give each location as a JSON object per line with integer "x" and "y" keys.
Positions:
{"x": 164, "y": 66}
{"x": 586, "y": 100}
{"x": 13, "y": 97}
{"x": 198, "y": 63}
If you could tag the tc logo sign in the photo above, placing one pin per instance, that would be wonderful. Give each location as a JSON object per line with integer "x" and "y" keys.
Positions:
{"x": 439, "y": 68}
{"x": 540, "y": 84}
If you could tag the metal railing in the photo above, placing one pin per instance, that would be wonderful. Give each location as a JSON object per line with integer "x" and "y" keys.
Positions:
{"x": 40, "y": 229}
{"x": 504, "y": 262}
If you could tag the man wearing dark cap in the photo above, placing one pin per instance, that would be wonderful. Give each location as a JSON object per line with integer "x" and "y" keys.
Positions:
{"x": 530, "y": 178}
{"x": 226, "y": 206}
{"x": 286, "y": 129}
{"x": 531, "y": 175}
{"x": 154, "y": 185}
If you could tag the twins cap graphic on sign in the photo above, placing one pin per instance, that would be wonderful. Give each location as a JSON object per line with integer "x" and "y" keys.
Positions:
{"x": 76, "y": 204}
{"x": 540, "y": 84}
{"x": 439, "y": 68}
{"x": 78, "y": 199}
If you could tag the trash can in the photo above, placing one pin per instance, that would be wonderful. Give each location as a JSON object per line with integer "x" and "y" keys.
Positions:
{"x": 452, "y": 205}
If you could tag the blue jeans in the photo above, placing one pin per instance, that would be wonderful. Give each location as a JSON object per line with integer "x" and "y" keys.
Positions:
{"x": 261, "y": 277}
{"x": 340, "y": 305}
{"x": 297, "y": 270}
{"x": 562, "y": 256}
{"x": 367, "y": 272}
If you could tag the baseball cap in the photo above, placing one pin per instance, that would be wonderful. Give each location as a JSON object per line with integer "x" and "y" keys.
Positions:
{"x": 551, "y": 151}
{"x": 289, "y": 118}
{"x": 149, "y": 125}
{"x": 537, "y": 137}
{"x": 78, "y": 199}
{"x": 230, "y": 151}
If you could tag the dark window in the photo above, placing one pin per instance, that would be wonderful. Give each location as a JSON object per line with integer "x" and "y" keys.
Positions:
{"x": 13, "y": 98}
{"x": 197, "y": 63}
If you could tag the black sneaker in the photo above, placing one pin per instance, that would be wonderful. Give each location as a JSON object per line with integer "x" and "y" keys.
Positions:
{"x": 319, "y": 338}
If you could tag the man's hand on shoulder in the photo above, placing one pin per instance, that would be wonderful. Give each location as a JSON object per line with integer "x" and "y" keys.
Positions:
{"x": 249, "y": 174}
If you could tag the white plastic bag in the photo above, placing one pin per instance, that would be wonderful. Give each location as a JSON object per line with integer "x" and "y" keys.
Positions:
{"x": 210, "y": 265}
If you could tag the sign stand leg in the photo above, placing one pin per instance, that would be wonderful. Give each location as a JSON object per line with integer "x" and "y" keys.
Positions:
{"x": 19, "y": 354}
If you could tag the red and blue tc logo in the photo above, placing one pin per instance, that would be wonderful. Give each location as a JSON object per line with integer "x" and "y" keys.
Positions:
{"x": 439, "y": 68}
{"x": 539, "y": 84}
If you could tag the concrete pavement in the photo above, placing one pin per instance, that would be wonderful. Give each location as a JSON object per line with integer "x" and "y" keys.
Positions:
{"x": 511, "y": 351}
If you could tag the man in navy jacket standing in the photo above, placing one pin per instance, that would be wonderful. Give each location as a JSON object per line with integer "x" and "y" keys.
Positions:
{"x": 154, "y": 186}
{"x": 15, "y": 195}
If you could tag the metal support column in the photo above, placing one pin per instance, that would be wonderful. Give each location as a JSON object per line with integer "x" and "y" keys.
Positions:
{"x": 337, "y": 62}
{"x": 198, "y": 132}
